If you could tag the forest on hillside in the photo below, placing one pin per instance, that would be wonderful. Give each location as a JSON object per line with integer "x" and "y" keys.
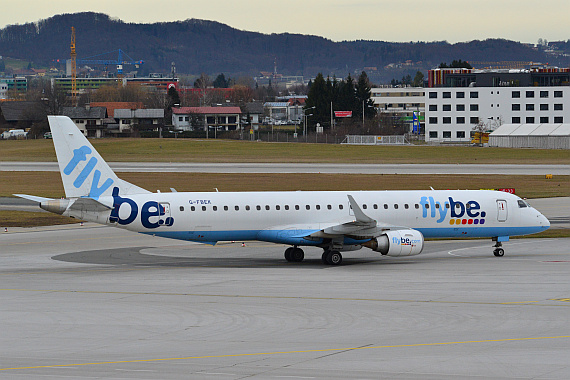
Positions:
{"x": 198, "y": 46}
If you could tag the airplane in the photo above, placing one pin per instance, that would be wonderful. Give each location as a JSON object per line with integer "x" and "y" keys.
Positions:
{"x": 392, "y": 223}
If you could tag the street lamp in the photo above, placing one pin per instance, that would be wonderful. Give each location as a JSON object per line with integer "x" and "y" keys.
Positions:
{"x": 305, "y": 120}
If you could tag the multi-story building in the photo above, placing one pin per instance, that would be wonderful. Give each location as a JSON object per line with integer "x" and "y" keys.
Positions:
{"x": 458, "y": 100}
{"x": 401, "y": 103}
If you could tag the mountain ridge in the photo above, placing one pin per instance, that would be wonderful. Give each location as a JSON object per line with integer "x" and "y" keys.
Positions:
{"x": 198, "y": 46}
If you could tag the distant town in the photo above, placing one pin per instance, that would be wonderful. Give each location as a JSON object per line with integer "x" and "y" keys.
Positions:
{"x": 459, "y": 102}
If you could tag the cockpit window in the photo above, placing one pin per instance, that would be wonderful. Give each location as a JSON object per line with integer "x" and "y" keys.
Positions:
{"x": 521, "y": 203}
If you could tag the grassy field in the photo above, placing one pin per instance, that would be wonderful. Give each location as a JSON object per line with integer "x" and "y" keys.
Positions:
{"x": 48, "y": 184}
{"x": 193, "y": 150}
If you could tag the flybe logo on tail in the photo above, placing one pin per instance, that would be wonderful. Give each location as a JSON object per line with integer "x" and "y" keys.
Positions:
{"x": 79, "y": 155}
{"x": 459, "y": 212}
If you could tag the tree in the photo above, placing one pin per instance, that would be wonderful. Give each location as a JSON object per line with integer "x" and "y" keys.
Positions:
{"x": 221, "y": 82}
{"x": 173, "y": 97}
{"x": 363, "y": 94}
{"x": 418, "y": 79}
{"x": 456, "y": 64}
{"x": 317, "y": 98}
{"x": 203, "y": 82}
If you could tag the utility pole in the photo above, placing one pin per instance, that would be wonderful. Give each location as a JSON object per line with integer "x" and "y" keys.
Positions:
{"x": 73, "y": 69}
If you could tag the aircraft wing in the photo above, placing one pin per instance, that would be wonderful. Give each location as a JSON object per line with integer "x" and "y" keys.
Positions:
{"x": 361, "y": 227}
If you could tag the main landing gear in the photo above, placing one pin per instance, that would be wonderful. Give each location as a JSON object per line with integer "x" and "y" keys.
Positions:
{"x": 499, "y": 252}
{"x": 331, "y": 257}
{"x": 294, "y": 254}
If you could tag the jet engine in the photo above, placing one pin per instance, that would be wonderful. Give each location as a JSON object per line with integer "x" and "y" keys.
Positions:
{"x": 397, "y": 243}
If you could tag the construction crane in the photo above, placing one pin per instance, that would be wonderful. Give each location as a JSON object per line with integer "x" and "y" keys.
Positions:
{"x": 121, "y": 60}
{"x": 73, "y": 69}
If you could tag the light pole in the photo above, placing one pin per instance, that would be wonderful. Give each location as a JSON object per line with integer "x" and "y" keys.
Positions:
{"x": 305, "y": 120}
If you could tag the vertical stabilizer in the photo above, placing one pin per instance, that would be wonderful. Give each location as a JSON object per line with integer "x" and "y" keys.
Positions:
{"x": 83, "y": 171}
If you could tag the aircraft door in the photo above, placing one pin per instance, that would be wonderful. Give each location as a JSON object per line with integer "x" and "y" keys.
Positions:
{"x": 502, "y": 211}
{"x": 164, "y": 218}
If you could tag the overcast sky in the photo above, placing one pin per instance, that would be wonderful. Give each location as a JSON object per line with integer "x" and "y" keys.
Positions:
{"x": 385, "y": 20}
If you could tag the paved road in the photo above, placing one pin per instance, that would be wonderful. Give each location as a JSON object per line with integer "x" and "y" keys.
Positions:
{"x": 97, "y": 302}
{"x": 307, "y": 168}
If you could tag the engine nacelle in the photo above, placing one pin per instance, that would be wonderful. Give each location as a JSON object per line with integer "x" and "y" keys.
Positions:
{"x": 397, "y": 243}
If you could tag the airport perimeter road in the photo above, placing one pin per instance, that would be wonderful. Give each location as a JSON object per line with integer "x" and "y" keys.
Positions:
{"x": 306, "y": 168}
{"x": 98, "y": 302}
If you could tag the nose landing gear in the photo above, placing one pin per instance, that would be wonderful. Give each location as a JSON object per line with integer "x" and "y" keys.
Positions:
{"x": 498, "y": 251}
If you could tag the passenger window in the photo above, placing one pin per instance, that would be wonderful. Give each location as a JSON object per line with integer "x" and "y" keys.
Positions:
{"x": 286, "y": 207}
{"x": 396, "y": 206}
{"x": 364, "y": 207}
{"x": 215, "y": 208}
{"x": 277, "y": 207}
{"x": 258, "y": 207}
{"x": 521, "y": 204}
{"x": 192, "y": 208}
{"x": 247, "y": 208}
{"x": 406, "y": 206}
{"x": 437, "y": 205}
{"x": 375, "y": 206}
{"x": 225, "y": 208}
{"x": 308, "y": 207}
{"x": 318, "y": 207}
{"x": 296, "y": 207}
{"x": 385, "y": 206}
{"x": 181, "y": 208}
{"x": 203, "y": 208}
{"x": 417, "y": 206}
{"x": 447, "y": 205}
{"x": 427, "y": 205}
{"x": 340, "y": 207}
{"x": 267, "y": 207}
{"x": 237, "y": 208}
{"x": 329, "y": 207}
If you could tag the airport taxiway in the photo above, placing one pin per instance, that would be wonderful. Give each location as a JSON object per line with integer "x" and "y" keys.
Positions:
{"x": 99, "y": 302}
{"x": 336, "y": 168}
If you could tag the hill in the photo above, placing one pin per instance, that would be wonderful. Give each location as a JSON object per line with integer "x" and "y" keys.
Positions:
{"x": 211, "y": 47}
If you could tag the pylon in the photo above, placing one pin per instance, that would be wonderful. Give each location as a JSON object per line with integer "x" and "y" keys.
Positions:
{"x": 243, "y": 244}
{"x": 5, "y": 229}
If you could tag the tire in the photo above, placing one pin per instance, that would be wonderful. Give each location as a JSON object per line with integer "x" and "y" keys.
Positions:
{"x": 334, "y": 258}
{"x": 324, "y": 257}
{"x": 499, "y": 252}
{"x": 288, "y": 252}
{"x": 297, "y": 255}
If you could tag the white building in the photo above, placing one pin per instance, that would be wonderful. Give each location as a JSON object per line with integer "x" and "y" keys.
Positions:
{"x": 400, "y": 103}
{"x": 3, "y": 90}
{"x": 494, "y": 98}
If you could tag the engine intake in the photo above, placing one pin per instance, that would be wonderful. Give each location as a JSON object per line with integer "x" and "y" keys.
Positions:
{"x": 397, "y": 243}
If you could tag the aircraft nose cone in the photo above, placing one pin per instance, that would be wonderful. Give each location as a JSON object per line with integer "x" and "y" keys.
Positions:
{"x": 543, "y": 221}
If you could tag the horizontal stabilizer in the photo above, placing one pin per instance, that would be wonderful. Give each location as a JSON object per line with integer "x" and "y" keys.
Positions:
{"x": 89, "y": 204}
{"x": 32, "y": 198}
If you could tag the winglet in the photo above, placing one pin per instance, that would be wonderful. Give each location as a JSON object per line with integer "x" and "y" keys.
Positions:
{"x": 358, "y": 213}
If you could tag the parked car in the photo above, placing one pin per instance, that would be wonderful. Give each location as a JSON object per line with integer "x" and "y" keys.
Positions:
{"x": 47, "y": 135}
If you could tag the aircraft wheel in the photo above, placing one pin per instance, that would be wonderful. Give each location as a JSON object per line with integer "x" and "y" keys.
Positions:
{"x": 334, "y": 258}
{"x": 297, "y": 255}
{"x": 324, "y": 257}
{"x": 288, "y": 252}
{"x": 499, "y": 252}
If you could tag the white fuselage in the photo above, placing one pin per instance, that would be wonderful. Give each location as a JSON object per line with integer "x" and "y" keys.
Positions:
{"x": 283, "y": 217}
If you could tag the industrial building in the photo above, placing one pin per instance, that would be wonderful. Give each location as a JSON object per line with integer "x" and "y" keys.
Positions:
{"x": 542, "y": 136}
{"x": 457, "y": 100}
